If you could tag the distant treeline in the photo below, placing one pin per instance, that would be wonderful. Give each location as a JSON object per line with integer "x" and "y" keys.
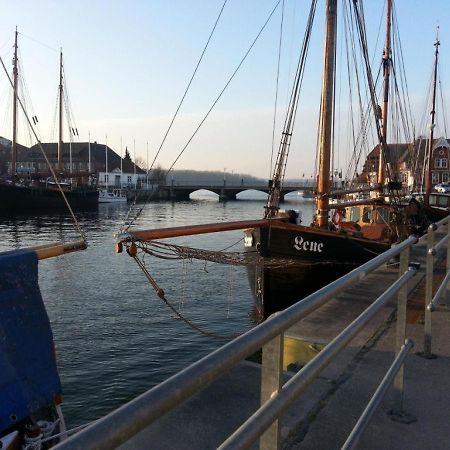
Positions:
{"x": 217, "y": 178}
{"x": 213, "y": 178}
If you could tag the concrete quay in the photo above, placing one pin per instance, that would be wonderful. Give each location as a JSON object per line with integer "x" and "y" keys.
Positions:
{"x": 325, "y": 414}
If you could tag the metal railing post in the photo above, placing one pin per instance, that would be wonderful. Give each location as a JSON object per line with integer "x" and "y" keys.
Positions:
{"x": 429, "y": 290}
{"x": 402, "y": 299}
{"x": 271, "y": 382}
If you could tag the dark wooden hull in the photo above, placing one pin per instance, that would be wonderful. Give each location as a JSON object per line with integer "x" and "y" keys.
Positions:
{"x": 16, "y": 198}
{"x": 436, "y": 208}
{"x": 320, "y": 256}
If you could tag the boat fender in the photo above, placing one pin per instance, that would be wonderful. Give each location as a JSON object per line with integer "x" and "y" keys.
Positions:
{"x": 337, "y": 216}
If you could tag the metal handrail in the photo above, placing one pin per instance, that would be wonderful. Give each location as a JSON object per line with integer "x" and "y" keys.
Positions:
{"x": 375, "y": 401}
{"x": 441, "y": 222}
{"x": 125, "y": 422}
{"x": 439, "y": 292}
{"x": 255, "y": 426}
{"x": 430, "y": 300}
{"x": 433, "y": 251}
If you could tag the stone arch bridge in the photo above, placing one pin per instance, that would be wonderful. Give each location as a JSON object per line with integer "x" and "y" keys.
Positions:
{"x": 180, "y": 192}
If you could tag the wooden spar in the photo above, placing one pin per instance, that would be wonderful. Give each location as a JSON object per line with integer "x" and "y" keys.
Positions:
{"x": 366, "y": 201}
{"x": 14, "y": 135}
{"x": 60, "y": 139}
{"x": 56, "y": 249}
{"x": 429, "y": 155}
{"x": 326, "y": 116}
{"x": 386, "y": 73}
{"x": 148, "y": 235}
{"x": 375, "y": 188}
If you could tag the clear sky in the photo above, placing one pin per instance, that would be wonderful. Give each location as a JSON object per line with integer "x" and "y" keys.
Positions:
{"x": 128, "y": 64}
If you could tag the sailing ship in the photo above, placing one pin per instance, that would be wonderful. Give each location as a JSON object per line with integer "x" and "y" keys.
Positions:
{"x": 286, "y": 259}
{"x": 358, "y": 230}
{"x": 24, "y": 192}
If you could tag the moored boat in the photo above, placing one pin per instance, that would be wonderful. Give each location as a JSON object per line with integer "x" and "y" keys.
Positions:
{"x": 18, "y": 197}
{"x": 39, "y": 193}
{"x": 114, "y": 196}
{"x": 326, "y": 249}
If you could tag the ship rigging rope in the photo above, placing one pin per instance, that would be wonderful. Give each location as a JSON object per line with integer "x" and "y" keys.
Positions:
{"x": 24, "y": 88}
{"x": 443, "y": 103}
{"x": 404, "y": 81}
{"x": 276, "y": 87}
{"x": 189, "y": 85}
{"x": 126, "y": 225}
{"x": 226, "y": 85}
{"x": 359, "y": 17}
{"x": 162, "y": 296}
{"x": 363, "y": 40}
{"x": 70, "y": 115}
{"x": 76, "y": 223}
{"x": 168, "y": 251}
{"x": 289, "y": 122}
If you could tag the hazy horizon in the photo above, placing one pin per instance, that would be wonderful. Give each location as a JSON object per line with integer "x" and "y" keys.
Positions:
{"x": 127, "y": 66}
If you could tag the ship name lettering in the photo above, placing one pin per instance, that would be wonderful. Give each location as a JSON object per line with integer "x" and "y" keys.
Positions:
{"x": 307, "y": 246}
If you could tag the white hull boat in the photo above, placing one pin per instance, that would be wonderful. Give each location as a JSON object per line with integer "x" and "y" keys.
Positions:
{"x": 115, "y": 196}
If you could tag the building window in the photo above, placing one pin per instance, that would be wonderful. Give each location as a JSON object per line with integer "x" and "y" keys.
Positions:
{"x": 129, "y": 179}
{"x": 106, "y": 177}
{"x": 434, "y": 177}
{"x": 441, "y": 163}
{"x": 444, "y": 177}
{"x": 404, "y": 177}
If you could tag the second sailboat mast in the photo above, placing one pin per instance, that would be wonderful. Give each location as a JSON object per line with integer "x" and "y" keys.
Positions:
{"x": 60, "y": 140}
{"x": 429, "y": 154}
{"x": 386, "y": 73}
{"x": 14, "y": 136}
{"x": 326, "y": 116}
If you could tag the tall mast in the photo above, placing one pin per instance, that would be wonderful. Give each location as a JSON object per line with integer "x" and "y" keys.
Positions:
{"x": 147, "y": 164}
{"x": 432, "y": 113}
{"x": 89, "y": 154}
{"x": 60, "y": 140}
{"x": 14, "y": 136}
{"x": 106, "y": 163}
{"x": 121, "y": 161}
{"x": 386, "y": 74}
{"x": 326, "y": 116}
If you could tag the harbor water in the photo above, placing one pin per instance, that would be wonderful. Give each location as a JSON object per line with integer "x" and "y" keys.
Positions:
{"x": 114, "y": 337}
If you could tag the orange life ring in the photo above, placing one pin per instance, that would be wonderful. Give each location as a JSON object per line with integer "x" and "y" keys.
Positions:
{"x": 337, "y": 216}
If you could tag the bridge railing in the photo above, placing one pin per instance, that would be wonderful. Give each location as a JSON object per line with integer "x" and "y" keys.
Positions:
{"x": 122, "y": 424}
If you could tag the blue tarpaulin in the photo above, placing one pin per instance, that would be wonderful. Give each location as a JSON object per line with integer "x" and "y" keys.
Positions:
{"x": 28, "y": 375}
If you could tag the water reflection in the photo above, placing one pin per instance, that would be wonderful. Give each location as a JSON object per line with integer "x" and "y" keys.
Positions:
{"x": 114, "y": 337}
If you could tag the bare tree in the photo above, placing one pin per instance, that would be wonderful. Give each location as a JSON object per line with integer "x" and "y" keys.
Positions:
{"x": 158, "y": 175}
{"x": 141, "y": 163}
